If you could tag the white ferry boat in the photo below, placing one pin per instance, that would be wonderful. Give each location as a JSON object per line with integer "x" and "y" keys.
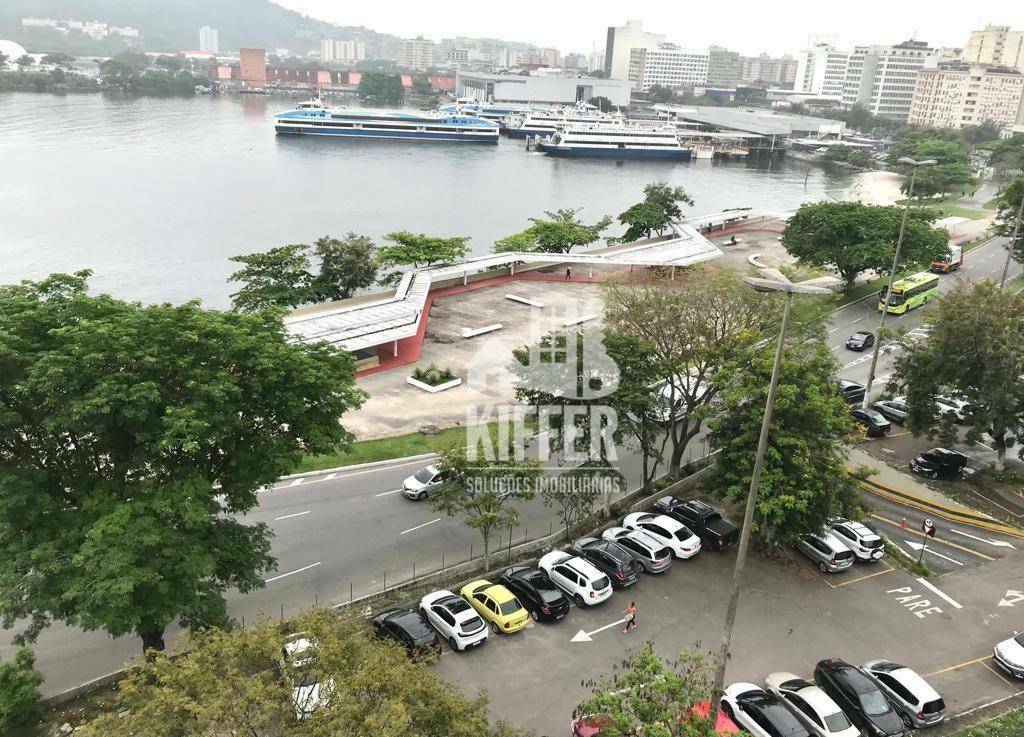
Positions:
{"x": 501, "y": 112}
{"x": 316, "y": 119}
{"x": 550, "y": 122}
{"x": 616, "y": 140}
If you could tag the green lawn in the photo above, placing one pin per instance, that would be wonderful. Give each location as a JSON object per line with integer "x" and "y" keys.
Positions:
{"x": 949, "y": 209}
{"x": 1010, "y": 724}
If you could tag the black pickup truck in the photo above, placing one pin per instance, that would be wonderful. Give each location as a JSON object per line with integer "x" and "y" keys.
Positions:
{"x": 714, "y": 531}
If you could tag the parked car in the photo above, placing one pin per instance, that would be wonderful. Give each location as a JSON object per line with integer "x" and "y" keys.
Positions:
{"x": 958, "y": 409}
{"x": 714, "y": 531}
{"x": 584, "y": 584}
{"x": 863, "y": 542}
{"x": 610, "y": 558}
{"x": 653, "y": 555}
{"x": 860, "y": 697}
{"x": 1009, "y": 655}
{"x": 939, "y": 463}
{"x": 812, "y": 706}
{"x": 917, "y": 703}
{"x": 420, "y": 484}
{"x": 827, "y": 551}
{"x": 409, "y": 630}
{"x": 852, "y": 392}
{"x": 543, "y": 600}
{"x": 454, "y": 619}
{"x": 895, "y": 409}
{"x": 671, "y": 532}
{"x": 875, "y": 425}
{"x": 762, "y": 714}
{"x": 860, "y": 340}
{"x": 496, "y": 605}
{"x": 298, "y": 656}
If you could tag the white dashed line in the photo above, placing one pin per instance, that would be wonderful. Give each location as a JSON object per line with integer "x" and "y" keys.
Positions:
{"x": 296, "y": 482}
{"x": 289, "y": 516}
{"x": 385, "y": 493}
{"x": 292, "y": 573}
{"x": 417, "y": 527}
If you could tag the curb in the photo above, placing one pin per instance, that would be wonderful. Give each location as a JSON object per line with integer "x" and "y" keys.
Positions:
{"x": 371, "y": 464}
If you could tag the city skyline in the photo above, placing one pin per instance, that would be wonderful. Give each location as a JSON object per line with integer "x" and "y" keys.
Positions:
{"x": 564, "y": 28}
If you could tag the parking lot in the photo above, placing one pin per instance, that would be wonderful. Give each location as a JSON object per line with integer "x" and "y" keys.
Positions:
{"x": 790, "y": 617}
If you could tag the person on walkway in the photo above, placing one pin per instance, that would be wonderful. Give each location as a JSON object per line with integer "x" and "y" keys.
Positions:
{"x": 630, "y": 617}
{"x": 568, "y": 273}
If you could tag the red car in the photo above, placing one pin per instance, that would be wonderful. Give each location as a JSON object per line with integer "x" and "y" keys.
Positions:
{"x": 592, "y": 725}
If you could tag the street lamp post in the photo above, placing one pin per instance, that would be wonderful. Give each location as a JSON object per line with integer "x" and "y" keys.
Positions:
{"x": 892, "y": 272}
{"x": 776, "y": 282}
{"x": 1013, "y": 240}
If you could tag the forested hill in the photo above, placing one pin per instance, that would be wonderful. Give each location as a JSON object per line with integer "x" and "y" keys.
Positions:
{"x": 173, "y": 25}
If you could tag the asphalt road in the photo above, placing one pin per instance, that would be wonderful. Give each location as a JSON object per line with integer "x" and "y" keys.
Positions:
{"x": 347, "y": 534}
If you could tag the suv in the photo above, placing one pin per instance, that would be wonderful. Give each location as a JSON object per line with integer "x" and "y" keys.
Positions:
{"x": 875, "y": 425}
{"x": 714, "y": 531}
{"x": 652, "y": 555}
{"x": 852, "y": 392}
{"x": 579, "y": 579}
{"x": 860, "y": 697}
{"x": 827, "y": 551}
{"x": 862, "y": 541}
{"x": 894, "y": 409}
{"x": 610, "y": 558}
{"x": 918, "y": 704}
{"x": 939, "y": 463}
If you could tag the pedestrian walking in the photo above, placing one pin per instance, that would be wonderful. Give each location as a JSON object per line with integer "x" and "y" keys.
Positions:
{"x": 630, "y": 617}
{"x": 568, "y": 273}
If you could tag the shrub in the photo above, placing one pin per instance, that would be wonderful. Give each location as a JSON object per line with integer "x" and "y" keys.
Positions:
{"x": 20, "y": 700}
{"x": 433, "y": 375}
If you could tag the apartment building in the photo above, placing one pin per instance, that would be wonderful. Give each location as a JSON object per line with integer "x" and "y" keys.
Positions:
{"x": 997, "y": 45}
{"x": 667, "y": 66}
{"x": 882, "y": 77}
{"x": 821, "y": 68}
{"x": 961, "y": 94}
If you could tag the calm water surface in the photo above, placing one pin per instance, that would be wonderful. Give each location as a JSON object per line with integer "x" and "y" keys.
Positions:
{"x": 155, "y": 195}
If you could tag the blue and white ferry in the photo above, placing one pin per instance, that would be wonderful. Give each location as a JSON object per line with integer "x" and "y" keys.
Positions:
{"x": 501, "y": 112}
{"x": 315, "y": 119}
{"x": 545, "y": 123}
{"x": 617, "y": 141}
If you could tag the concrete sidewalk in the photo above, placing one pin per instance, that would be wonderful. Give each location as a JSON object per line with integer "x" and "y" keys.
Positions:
{"x": 889, "y": 476}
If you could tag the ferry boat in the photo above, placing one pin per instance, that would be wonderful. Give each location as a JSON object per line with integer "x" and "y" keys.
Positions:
{"x": 500, "y": 112}
{"x": 547, "y": 123}
{"x": 619, "y": 141}
{"x": 316, "y": 119}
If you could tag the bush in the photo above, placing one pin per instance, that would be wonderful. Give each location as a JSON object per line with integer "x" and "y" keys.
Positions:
{"x": 432, "y": 375}
{"x": 20, "y": 700}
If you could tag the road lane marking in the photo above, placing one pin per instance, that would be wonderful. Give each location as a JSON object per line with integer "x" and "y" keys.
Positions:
{"x": 289, "y": 516}
{"x": 417, "y": 527}
{"x": 584, "y": 636}
{"x": 1000, "y": 676}
{"x": 936, "y": 591}
{"x": 385, "y": 493}
{"x": 329, "y": 476}
{"x": 937, "y": 539}
{"x": 861, "y": 578}
{"x": 857, "y": 320}
{"x": 917, "y": 547}
{"x": 836, "y": 348}
{"x": 292, "y": 573}
{"x": 995, "y": 543}
{"x": 958, "y": 666}
{"x": 832, "y": 331}
{"x": 296, "y": 482}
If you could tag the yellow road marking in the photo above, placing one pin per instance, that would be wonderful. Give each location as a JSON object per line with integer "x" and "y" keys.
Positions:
{"x": 958, "y": 666}
{"x": 1000, "y": 676}
{"x": 864, "y": 578}
{"x": 937, "y": 539}
{"x": 946, "y": 512}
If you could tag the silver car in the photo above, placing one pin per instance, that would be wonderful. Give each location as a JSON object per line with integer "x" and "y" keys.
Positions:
{"x": 651, "y": 555}
{"x": 827, "y": 551}
{"x": 917, "y": 703}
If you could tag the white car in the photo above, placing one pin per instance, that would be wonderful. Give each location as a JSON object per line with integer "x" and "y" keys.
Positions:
{"x": 454, "y": 619}
{"x": 308, "y": 694}
{"x": 653, "y": 556}
{"x": 812, "y": 706}
{"x": 917, "y": 703}
{"x": 670, "y": 532}
{"x": 421, "y": 483}
{"x": 949, "y": 405}
{"x": 577, "y": 577}
{"x": 865, "y": 544}
{"x": 760, "y": 713}
{"x": 1009, "y": 654}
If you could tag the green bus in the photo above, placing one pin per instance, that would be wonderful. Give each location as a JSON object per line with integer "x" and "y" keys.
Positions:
{"x": 911, "y": 292}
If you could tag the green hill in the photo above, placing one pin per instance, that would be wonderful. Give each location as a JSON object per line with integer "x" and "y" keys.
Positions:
{"x": 173, "y": 25}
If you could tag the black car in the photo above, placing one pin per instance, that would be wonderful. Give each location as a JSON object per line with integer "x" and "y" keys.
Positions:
{"x": 715, "y": 532}
{"x": 766, "y": 711}
{"x": 860, "y": 340}
{"x": 610, "y": 558}
{"x": 859, "y": 696}
{"x": 539, "y": 596}
{"x": 939, "y": 463}
{"x": 852, "y": 392}
{"x": 895, "y": 409}
{"x": 408, "y": 629}
{"x": 875, "y": 425}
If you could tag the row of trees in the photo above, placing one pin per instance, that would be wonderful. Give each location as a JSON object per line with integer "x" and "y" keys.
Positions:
{"x": 842, "y": 154}
{"x": 133, "y": 71}
{"x": 951, "y": 152}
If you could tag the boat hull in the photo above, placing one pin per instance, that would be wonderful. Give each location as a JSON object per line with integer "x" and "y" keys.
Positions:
{"x": 407, "y": 135}
{"x": 683, "y": 154}
{"x": 535, "y": 133}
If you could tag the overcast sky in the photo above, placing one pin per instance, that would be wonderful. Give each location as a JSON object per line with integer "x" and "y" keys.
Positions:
{"x": 748, "y": 26}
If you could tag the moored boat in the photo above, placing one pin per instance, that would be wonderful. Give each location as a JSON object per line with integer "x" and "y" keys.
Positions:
{"x": 616, "y": 140}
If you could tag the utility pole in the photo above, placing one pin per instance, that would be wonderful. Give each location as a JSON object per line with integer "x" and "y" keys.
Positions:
{"x": 1013, "y": 238}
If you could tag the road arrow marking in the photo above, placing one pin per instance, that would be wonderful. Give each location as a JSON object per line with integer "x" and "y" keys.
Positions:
{"x": 996, "y": 543}
{"x": 1012, "y": 598}
{"x": 584, "y": 636}
{"x": 918, "y": 546}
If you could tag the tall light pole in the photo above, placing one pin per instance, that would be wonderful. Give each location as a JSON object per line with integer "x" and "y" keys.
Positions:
{"x": 774, "y": 281}
{"x": 892, "y": 272}
{"x": 1013, "y": 238}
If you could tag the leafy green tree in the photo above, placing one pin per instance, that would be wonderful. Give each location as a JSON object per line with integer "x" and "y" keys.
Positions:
{"x": 171, "y": 63}
{"x": 3, "y": 60}
{"x": 654, "y": 697}
{"x": 804, "y": 480}
{"x": 975, "y": 134}
{"x": 118, "y": 420}
{"x": 421, "y": 85}
{"x": 658, "y": 210}
{"x": 852, "y": 238}
{"x": 1007, "y": 157}
{"x": 657, "y": 93}
{"x": 602, "y": 103}
{"x": 21, "y": 703}
{"x": 416, "y": 249}
{"x": 276, "y": 278}
{"x": 381, "y": 87}
{"x": 347, "y": 265}
{"x": 235, "y": 683}
{"x": 559, "y": 233}
{"x": 1009, "y": 211}
{"x": 976, "y": 352}
{"x": 57, "y": 59}
{"x": 849, "y": 155}
{"x": 24, "y": 61}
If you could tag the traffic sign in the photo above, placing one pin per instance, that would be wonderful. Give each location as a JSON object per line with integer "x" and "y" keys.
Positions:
{"x": 928, "y": 527}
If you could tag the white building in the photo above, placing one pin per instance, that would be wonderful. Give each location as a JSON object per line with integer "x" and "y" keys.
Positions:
{"x": 547, "y": 89}
{"x": 996, "y": 45}
{"x": 209, "y": 40}
{"x": 342, "y": 51}
{"x": 958, "y": 94}
{"x": 415, "y": 53}
{"x": 667, "y": 66}
{"x": 621, "y": 42}
{"x": 821, "y": 68}
{"x": 882, "y": 78}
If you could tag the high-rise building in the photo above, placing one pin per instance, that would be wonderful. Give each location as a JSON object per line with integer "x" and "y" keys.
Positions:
{"x": 621, "y": 42}
{"x": 778, "y": 71}
{"x": 342, "y": 51}
{"x": 252, "y": 68}
{"x": 996, "y": 45}
{"x": 723, "y": 67}
{"x": 667, "y": 66}
{"x": 596, "y": 60}
{"x": 882, "y": 78}
{"x": 209, "y": 40}
{"x": 549, "y": 57}
{"x": 415, "y": 53}
{"x": 574, "y": 60}
{"x": 959, "y": 94}
{"x": 821, "y": 68}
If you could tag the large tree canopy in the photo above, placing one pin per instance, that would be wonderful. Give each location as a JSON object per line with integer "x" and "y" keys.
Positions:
{"x": 116, "y": 421}
{"x": 853, "y": 238}
{"x": 658, "y": 210}
{"x": 414, "y": 249}
{"x": 559, "y": 233}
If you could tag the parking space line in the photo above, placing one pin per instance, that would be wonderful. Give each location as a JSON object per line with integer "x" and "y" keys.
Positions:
{"x": 958, "y": 666}
{"x": 937, "y": 592}
{"x": 864, "y": 578}
{"x": 1000, "y": 676}
{"x": 937, "y": 539}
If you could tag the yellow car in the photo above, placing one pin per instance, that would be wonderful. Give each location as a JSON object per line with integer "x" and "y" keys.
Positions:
{"x": 497, "y": 605}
